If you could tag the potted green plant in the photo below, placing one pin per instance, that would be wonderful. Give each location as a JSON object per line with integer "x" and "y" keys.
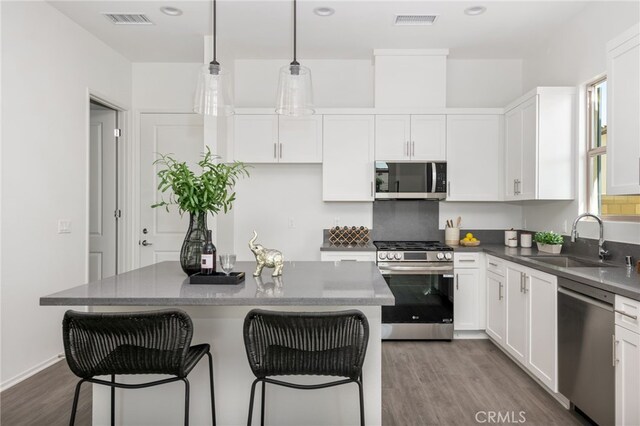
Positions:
{"x": 549, "y": 242}
{"x": 211, "y": 191}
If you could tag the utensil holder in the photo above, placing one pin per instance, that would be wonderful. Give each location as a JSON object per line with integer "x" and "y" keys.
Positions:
{"x": 508, "y": 235}
{"x": 452, "y": 236}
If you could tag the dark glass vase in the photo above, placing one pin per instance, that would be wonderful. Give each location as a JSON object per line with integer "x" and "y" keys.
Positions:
{"x": 192, "y": 246}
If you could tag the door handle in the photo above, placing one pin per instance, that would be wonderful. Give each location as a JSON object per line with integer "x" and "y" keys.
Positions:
{"x": 372, "y": 188}
{"x": 280, "y": 150}
{"x": 499, "y": 291}
{"x": 406, "y": 148}
{"x": 145, "y": 243}
{"x": 413, "y": 148}
{"x": 275, "y": 150}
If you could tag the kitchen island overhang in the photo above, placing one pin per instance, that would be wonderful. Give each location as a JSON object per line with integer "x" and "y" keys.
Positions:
{"x": 218, "y": 313}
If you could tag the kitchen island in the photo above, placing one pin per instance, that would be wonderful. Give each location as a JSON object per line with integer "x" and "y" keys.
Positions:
{"x": 218, "y": 312}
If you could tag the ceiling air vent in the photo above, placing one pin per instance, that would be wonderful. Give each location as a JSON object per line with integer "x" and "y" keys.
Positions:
{"x": 128, "y": 18}
{"x": 416, "y": 19}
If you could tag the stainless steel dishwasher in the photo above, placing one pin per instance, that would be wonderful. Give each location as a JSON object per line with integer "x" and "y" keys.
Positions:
{"x": 586, "y": 336}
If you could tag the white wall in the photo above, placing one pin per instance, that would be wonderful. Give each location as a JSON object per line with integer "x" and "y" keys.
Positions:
{"x": 483, "y": 82}
{"x": 164, "y": 86}
{"x": 573, "y": 57}
{"x": 273, "y": 196}
{"x": 49, "y": 65}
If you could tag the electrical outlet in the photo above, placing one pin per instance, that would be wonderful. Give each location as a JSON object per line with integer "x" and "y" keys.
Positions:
{"x": 64, "y": 226}
{"x": 291, "y": 223}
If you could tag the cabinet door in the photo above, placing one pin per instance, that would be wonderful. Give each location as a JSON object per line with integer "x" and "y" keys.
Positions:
{"x": 466, "y": 310}
{"x": 529, "y": 160}
{"x": 542, "y": 292}
{"x": 347, "y": 166}
{"x": 627, "y": 377}
{"x": 428, "y": 137}
{"x": 300, "y": 139}
{"x": 516, "y": 313}
{"x": 474, "y": 157}
{"x": 255, "y": 138}
{"x": 393, "y": 138}
{"x": 348, "y": 256}
{"x": 495, "y": 307}
{"x": 623, "y": 102}
{"x": 513, "y": 151}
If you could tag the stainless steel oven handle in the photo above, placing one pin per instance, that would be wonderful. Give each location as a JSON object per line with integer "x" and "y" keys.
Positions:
{"x": 416, "y": 270}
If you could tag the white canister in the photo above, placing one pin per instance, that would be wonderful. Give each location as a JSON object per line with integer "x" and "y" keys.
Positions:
{"x": 525, "y": 240}
{"x": 509, "y": 235}
{"x": 452, "y": 236}
{"x": 513, "y": 242}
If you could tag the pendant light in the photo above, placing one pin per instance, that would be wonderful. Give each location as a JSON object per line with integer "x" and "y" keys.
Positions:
{"x": 295, "y": 94}
{"x": 213, "y": 92}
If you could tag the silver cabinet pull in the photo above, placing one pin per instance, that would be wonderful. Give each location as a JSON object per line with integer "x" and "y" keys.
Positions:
{"x": 633, "y": 317}
{"x": 449, "y": 188}
{"x": 372, "y": 188}
{"x": 526, "y": 277}
{"x": 613, "y": 349}
{"x": 495, "y": 265}
{"x": 521, "y": 282}
{"x": 406, "y": 149}
{"x": 145, "y": 243}
{"x": 457, "y": 281}
{"x": 466, "y": 260}
{"x": 499, "y": 291}
{"x": 514, "y": 187}
{"x": 275, "y": 150}
{"x": 280, "y": 149}
{"x": 413, "y": 148}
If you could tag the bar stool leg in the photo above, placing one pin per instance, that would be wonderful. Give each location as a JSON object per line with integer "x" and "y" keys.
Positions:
{"x": 264, "y": 389}
{"x": 113, "y": 401}
{"x": 361, "y": 401}
{"x": 74, "y": 407}
{"x": 186, "y": 401}
{"x": 213, "y": 401}
{"x": 253, "y": 393}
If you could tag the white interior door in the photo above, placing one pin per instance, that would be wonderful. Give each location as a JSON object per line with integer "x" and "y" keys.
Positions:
{"x": 182, "y": 136}
{"x": 102, "y": 193}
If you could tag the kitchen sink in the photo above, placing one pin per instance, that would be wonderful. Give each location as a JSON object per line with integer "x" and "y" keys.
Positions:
{"x": 569, "y": 261}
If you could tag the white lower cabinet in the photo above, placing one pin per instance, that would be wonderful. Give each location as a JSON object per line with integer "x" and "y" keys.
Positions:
{"x": 348, "y": 255}
{"x": 468, "y": 290}
{"x": 522, "y": 317}
{"x": 627, "y": 353}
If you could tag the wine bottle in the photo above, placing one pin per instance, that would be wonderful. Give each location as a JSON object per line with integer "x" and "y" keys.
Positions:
{"x": 208, "y": 259}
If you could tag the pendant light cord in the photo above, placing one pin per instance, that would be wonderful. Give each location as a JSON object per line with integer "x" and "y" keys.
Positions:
{"x": 295, "y": 31}
{"x": 213, "y": 18}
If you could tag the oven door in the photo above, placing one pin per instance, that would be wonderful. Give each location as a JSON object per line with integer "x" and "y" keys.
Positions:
{"x": 424, "y": 295}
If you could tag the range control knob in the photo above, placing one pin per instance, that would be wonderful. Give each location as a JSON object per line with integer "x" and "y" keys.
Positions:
{"x": 448, "y": 256}
{"x": 397, "y": 256}
{"x": 440, "y": 255}
{"x": 382, "y": 256}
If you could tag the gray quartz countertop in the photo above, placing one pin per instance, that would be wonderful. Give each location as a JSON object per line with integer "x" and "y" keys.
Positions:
{"x": 327, "y": 246}
{"x": 616, "y": 279}
{"x": 302, "y": 284}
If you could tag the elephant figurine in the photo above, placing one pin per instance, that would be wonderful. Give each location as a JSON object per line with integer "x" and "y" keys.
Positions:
{"x": 266, "y": 257}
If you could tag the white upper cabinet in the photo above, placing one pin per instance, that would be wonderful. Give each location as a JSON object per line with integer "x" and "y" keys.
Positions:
{"x": 539, "y": 145}
{"x": 410, "y": 137}
{"x": 474, "y": 158}
{"x": 623, "y": 110}
{"x": 347, "y": 166}
{"x": 268, "y": 138}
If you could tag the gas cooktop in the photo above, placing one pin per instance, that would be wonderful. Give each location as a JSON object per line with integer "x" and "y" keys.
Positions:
{"x": 411, "y": 246}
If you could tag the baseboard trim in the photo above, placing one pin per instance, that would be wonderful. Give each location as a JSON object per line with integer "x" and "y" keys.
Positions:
{"x": 470, "y": 334}
{"x": 30, "y": 372}
{"x": 557, "y": 396}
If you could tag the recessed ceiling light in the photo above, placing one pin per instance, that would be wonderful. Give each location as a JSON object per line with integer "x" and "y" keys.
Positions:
{"x": 324, "y": 11}
{"x": 171, "y": 11}
{"x": 475, "y": 10}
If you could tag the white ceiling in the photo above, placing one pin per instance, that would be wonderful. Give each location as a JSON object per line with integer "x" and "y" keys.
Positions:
{"x": 262, "y": 29}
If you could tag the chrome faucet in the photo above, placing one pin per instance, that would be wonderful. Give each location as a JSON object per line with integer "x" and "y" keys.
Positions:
{"x": 602, "y": 253}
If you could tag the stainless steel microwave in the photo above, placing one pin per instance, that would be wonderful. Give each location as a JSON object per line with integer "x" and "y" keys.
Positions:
{"x": 411, "y": 181}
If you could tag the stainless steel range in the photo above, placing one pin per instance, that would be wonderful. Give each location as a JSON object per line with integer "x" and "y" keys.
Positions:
{"x": 420, "y": 276}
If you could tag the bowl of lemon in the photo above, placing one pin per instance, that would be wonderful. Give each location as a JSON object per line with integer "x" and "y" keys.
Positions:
{"x": 469, "y": 240}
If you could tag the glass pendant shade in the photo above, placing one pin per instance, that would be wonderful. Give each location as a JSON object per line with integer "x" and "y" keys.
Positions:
{"x": 213, "y": 92}
{"x": 295, "y": 94}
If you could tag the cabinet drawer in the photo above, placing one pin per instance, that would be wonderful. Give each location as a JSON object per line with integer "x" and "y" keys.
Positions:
{"x": 627, "y": 313}
{"x": 339, "y": 256}
{"x": 495, "y": 265}
{"x": 466, "y": 260}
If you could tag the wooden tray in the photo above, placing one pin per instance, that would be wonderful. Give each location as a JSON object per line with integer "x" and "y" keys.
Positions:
{"x": 219, "y": 278}
{"x": 469, "y": 243}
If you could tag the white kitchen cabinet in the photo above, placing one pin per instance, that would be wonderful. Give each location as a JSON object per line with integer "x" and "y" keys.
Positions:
{"x": 469, "y": 292}
{"x": 539, "y": 145}
{"x": 348, "y": 256}
{"x": 531, "y": 322}
{"x": 475, "y": 158}
{"x": 496, "y": 320}
{"x": 410, "y": 138}
{"x": 269, "y": 138}
{"x": 347, "y": 167}
{"x": 623, "y": 110}
{"x": 627, "y": 377}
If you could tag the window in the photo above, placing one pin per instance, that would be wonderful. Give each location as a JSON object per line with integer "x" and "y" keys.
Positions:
{"x": 612, "y": 207}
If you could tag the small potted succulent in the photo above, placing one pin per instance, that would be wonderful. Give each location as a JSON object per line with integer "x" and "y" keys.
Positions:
{"x": 549, "y": 242}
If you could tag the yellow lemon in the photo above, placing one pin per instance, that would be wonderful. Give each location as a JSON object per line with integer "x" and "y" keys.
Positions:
{"x": 469, "y": 235}
{"x": 474, "y": 239}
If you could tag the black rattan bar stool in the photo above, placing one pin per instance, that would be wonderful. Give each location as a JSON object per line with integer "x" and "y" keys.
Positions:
{"x": 110, "y": 344}
{"x": 303, "y": 343}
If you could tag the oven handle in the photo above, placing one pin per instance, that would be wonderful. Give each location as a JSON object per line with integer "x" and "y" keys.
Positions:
{"x": 415, "y": 270}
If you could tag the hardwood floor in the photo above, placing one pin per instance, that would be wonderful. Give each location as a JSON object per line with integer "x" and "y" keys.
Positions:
{"x": 447, "y": 383}
{"x": 45, "y": 399}
{"x": 423, "y": 383}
